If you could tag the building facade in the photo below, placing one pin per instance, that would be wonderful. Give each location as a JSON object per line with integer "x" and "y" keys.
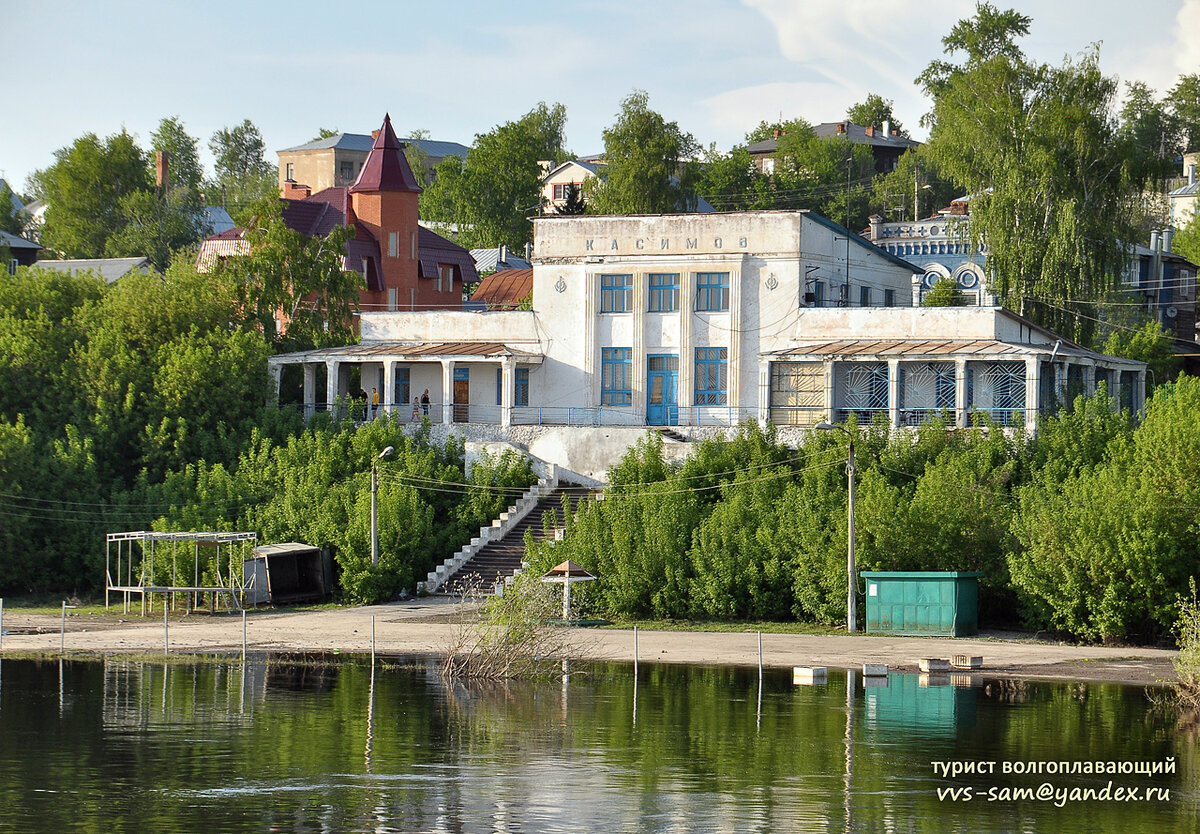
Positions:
{"x": 710, "y": 320}
{"x": 404, "y": 265}
{"x": 335, "y": 161}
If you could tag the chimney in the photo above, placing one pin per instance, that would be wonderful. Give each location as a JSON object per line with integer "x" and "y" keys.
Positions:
{"x": 503, "y": 254}
{"x": 1192, "y": 174}
{"x": 870, "y": 130}
{"x": 1154, "y": 241}
{"x": 295, "y": 191}
{"x": 162, "y": 172}
{"x": 887, "y": 127}
{"x": 775, "y": 135}
{"x": 841, "y": 128}
{"x": 1168, "y": 235}
{"x": 374, "y": 135}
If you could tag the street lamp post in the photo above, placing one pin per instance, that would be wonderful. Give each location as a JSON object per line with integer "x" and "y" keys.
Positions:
{"x": 374, "y": 500}
{"x": 851, "y": 607}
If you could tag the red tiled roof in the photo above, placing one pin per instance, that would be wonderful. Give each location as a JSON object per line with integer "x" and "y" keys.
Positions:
{"x": 386, "y": 169}
{"x": 505, "y": 289}
{"x": 433, "y": 249}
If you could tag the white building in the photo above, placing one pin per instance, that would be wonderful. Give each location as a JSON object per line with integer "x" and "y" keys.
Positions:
{"x": 708, "y": 320}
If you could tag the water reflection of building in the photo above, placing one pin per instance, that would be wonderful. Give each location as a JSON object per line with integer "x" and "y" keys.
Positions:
{"x": 913, "y": 707}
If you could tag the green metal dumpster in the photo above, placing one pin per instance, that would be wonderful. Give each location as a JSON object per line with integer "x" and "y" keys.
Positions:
{"x": 939, "y": 603}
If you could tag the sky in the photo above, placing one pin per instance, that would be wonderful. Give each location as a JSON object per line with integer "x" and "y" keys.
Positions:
{"x": 457, "y": 68}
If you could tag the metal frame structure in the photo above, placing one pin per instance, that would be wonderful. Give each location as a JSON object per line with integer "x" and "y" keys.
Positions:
{"x": 135, "y": 556}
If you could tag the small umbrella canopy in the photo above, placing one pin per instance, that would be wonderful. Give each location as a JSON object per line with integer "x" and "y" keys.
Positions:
{"x": 567, "y": 571}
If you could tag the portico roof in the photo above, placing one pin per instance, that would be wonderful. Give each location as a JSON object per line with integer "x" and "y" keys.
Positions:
{"x": 942, "y": 349}
{"x": 407, "y": 351}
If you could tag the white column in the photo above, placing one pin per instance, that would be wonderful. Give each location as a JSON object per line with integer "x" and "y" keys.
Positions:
{"x": 447, "y": 391}
{"x": 1033, "y": 380}
{"x": 508, "y": 383}
{"x": 1089, "y": 379}
{"x": 1060, "y": 382}
{"x": 638, "y": 344}
{"x": 960, "y": 393}
{"x": 894, "y": 392}
{"x": 1139, "y": 396}
{"x": 764, "y": 392}
{"x": 276, "y": 373}
{"x": 310, "y": 388}
{"x": 331, "y": 383}
{"x": 389, "y": 386}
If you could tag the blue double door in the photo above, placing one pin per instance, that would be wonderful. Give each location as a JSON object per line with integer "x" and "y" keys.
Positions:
{"x": 662, "y": 390}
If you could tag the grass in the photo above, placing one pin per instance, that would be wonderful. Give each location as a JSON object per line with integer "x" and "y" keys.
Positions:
{"x": 94, "y": 608}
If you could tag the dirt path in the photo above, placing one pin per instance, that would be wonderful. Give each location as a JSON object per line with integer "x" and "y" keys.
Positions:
{"x": 428, "y": 626}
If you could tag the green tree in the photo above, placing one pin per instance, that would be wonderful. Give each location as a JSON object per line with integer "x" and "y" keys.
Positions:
{"x": 829, "y": 176}
{"x": 156, "y": 226}
{"x": 183, "y": 156}
{"x": 83, "y": 190}
{"x": 916, "y": 176}
{"x": 1151, "y": 344}
{"x": 731, "y": 182}
{"x": 295, "y": 279}
{"x": 1037, "y": 149}
{"x": 875, "y": 110}
{"x": 773, "y": 130}
{"x": 324, "y": 133}
{"x": 1187, "y": 240}
{"x": 416, "y": 157}
{"x": 650, "y": 164}
{"x": 243, "y": 176}
{"x": 945, "y": 293}
{"x": 573, "y": 204}
{"x": 1184, "y": 103}
{"x": 492, "y": 194}
{"x": 10, "y": 219}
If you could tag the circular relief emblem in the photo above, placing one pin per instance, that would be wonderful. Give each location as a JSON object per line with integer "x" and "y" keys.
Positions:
{"x": 560, "y": 284}
{"x": 771, "y": 282}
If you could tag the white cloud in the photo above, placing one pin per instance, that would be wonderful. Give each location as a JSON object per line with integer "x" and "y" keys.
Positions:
{"x": 1187, "y": 38}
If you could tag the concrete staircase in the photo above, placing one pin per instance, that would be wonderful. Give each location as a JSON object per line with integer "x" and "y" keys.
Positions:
{"x": 501, "y": 558}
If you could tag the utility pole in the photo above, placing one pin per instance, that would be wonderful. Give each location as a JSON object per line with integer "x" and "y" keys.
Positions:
{"x": 374, "y": 501}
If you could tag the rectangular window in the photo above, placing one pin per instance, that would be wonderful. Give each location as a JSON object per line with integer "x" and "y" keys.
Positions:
{"x": 412, "y": 246}
{"x": 290, "y": 172}
{"x": 403, "y": 392}
{"x": 521, "y": 393}
{"x": 712, "y": 291}
{"x": 889, "y": 298}
{"x": 616, "y": 376}
{"x": 393, "y": 301}
{"x": 797, "y": 393}
{"x": 499, "y": 384}
{"x": 664, "y": 293}
{"x": 446, "y": 277}
{"x": 346, "y": 170}
{"x": 864, "y": 296}
{"x": 819, "y": 294}
{"x": 616, "y": 293}
{"x": 562, "y": 190}
{"x": 393, "y": 244}
{"x": 712, "y": 376}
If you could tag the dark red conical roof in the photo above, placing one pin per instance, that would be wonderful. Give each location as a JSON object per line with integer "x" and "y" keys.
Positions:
{"x": 386, "y": 169}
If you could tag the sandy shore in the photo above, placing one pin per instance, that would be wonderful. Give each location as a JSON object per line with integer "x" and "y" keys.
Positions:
{"x": 428, "y": 626}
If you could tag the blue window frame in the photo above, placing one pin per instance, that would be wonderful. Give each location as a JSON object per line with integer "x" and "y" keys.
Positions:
{"x": 499, "y": 384}
{"x": 664, "y": 293}
{"x": 616, "y": 293}
{"x": 712, "y": 291}
{"x": 864, "y": 296}
{"x": 521, "y": 392}
{"x": 402, "y": 386}
{"x": 616, "y": 376}
{"x": 712, "y": 376}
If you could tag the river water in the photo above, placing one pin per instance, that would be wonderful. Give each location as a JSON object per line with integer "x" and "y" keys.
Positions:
{"x": 120, "y": 745}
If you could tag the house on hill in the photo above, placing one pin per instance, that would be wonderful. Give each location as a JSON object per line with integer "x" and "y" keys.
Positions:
{"x": 887, "y": 145}
{"x": 337, "y": 160}
{"x": 404, "y": 265}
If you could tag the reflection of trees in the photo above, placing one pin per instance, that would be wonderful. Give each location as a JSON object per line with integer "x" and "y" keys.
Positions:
{"x": 189, "y": 746}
